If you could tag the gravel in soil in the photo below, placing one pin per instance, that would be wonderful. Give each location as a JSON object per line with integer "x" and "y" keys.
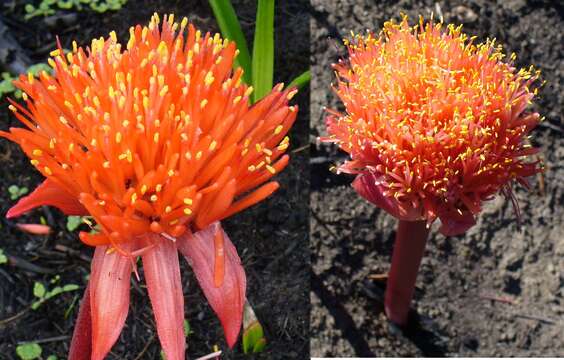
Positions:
{"x": 497, "y": 258}
{"x": 271, "y": 238}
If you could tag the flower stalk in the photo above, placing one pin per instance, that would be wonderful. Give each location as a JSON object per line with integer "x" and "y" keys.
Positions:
{"x": 409, "y": 248}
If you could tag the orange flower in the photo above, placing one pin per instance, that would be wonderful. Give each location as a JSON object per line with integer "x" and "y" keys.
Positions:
{"x": 156, "y": 142}
{"x": 434, "y": 124}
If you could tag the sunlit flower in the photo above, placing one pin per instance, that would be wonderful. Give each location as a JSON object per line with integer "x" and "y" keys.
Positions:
{"x": 434, "y": 124}
{"x": 157, "y": 142}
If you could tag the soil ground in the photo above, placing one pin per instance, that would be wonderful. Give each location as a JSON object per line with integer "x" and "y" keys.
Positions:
{"x": 271, "y": 238}
{"x": 351, "y": 239}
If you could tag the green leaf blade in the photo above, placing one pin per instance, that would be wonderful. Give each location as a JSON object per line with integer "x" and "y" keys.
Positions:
{"x": 231, "y": 29}
{"x": 302, "y": 80}
{"x": 263, "y": 49}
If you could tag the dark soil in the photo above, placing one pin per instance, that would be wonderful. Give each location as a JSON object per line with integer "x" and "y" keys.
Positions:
{"x": 271, "y": 238}
{"x": 351, "y": 239}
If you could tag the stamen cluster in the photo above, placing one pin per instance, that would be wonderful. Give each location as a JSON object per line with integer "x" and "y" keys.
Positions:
{"x": 157, "y": 137}
{"x": 435, "y": 123}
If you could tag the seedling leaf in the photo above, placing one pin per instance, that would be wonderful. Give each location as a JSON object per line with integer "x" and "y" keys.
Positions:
{"x": 73, "y": 222}
{"x": 28, "y": 351}
{"x": 39, "y": 290}
{"x": 3, "y": 258}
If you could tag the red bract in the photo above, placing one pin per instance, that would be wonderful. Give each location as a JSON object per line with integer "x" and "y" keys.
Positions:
{"x": 157, "y": 142}
{"x": 434, "y": 124}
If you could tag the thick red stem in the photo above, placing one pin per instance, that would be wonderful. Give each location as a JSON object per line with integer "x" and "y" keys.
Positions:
{"x": 409, "y": 248}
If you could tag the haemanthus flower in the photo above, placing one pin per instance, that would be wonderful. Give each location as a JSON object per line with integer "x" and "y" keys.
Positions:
{"x": 434, "y": 123}
{"x": 157, "y": 142}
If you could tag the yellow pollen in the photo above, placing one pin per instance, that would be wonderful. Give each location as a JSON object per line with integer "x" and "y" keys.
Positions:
{"x": 48, "y": 171}
{"x": 278, "y": 129}
{"x": 213, "y": 145}
{"x": 37, "y": 152}
{"x": 203, "y": 103}
{"x": 168, "y": 209}
{"x": 118, "y": 137}
{"x": 188, "y": 201}
{"x": 153, "y": 198}
{"x": 187, "y": 211}
{"x": 34, "y": 162}
{"x": 270, "y": 169}
{"x": 143, "y": 189}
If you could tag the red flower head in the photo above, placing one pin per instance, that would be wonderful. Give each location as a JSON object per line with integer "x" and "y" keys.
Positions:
{"x": 434, "y": 124}
{"x": 157, "y": 142}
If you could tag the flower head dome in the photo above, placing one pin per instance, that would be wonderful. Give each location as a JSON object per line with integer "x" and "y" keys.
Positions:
{"x": 157, "y": 141}
{"x": 157, "y": 137}
{"x": 434, "y": 124}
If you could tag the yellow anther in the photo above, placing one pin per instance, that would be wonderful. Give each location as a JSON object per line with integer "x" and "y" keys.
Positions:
{"x": 153, "y": 198}
{"x": 187, "y": 211}
{"x": 213, "y": 145}
{"x": 278, "y": 129}
{"x": 156, "y": 137}
{"x": 270, "y": 169}
{"x": 143, "y": 189}
{"x": 118, "y": 137}
{"x": 12, "y": 108}
{"x": 208, "y": 80}
{"x": 158, "y": 188}
{"x": 203, "y": 103}
{"x": 47, "y": 171}
{"x": 198, "y": 155}
{"x": 168, "y": 209}
{"x": 188, "y": 201}
{"x": 37, "y": 152}
{"x": 106, "y": 164}
{"x": 34, "y": 162}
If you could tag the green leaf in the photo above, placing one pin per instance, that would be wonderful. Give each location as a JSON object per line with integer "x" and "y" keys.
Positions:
{"x": 54, "y": 292}
{"x": 39, "y": 290}
{"x": 3, "y": 258}
{"x": 301, "y": 80}
{"x": 187, "y": 329}
{"x": 263, "y": 49}
{"x": 253, "y": 334}
{"x": 231, "y": 29}
{"x": 73, "y": 222}
{"x": 38, "y": 68}
{"x": 52, "y": 357}
{"x": 29, "y": 351}
{"x": 259, "y": 345}
{"x": 29, "y": 8}
{"x": 70, "y": 287}
{"x": 37, "y": 304}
